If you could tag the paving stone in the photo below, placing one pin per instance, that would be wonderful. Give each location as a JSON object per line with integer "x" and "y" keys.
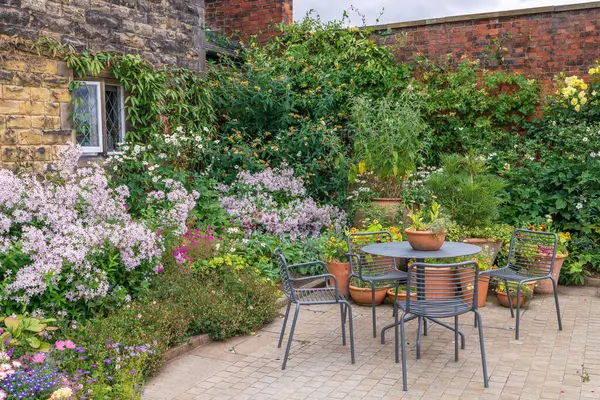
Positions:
{"x": 543, "y": 364}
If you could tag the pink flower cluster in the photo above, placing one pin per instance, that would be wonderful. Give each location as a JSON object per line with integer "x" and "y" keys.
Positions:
{"x": 180, "y": 203}
{"x": 61, "y": 220}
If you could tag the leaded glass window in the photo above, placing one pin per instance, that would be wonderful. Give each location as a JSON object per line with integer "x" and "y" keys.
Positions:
{"x": 114, "y": 117}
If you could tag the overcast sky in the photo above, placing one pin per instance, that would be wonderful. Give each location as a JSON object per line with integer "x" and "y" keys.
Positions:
{"x": 409, "y": 10}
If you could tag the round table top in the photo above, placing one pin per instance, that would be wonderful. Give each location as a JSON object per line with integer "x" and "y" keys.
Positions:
{"x": 404, "y": 250}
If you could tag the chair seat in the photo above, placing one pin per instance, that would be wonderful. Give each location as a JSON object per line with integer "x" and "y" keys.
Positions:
{"x": 317, "y": 295}
{"x": 437, "y": 308}
{"x": 510, "y": 274}
{"x": 391, "y": 275}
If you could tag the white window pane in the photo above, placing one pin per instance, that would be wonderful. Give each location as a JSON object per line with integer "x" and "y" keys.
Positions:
{"x": 86, "y": 116}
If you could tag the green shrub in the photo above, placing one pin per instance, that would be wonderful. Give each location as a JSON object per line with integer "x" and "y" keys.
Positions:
{"x": 466, "y": 188}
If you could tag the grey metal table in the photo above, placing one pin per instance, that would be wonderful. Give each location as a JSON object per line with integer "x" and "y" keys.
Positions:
{"x": 404, "y": 250}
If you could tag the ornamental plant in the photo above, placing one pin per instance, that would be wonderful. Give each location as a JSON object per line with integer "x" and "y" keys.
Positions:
{"x": 24, "y": 333}
{"x": 67, "y": 242}
{"x": 273, "y": 201}
{"x": 470, "y": 193}
{"x": 431, "y": 219}
{"x": 389, "y": 139}
{"x": 335, "y": 248}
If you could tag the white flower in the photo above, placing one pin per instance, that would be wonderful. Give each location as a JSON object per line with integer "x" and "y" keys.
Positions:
{"x": 232, "y": 249}
{"x": 205, "y": 129}
{"x": 579, "y": 206}
{"x": 262, "y": 245}
{"x": 585, "y": 139}
{"x": 593, "y": 155}
{"x": 217, "y": 246}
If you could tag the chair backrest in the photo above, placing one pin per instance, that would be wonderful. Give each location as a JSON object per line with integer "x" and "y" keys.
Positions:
{"x": 532, "y": 253}
{"x": 368, "y": 265}
{"x": 442, "y": 290}
{"x": 284, "y": 271}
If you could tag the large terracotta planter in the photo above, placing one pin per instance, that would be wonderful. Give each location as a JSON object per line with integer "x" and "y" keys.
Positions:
{"x": 503, "y": 299}
{"x": 482, "y": 290}
{"x": 425, "y": 240}
{"x": 545, "y": 286}
{"x": 391, "y": 296}
{"x": 439, "y": 284}
{"x": 491, "y": 246}
{"x": 341, "y": 271}
{"x": 362, "y": 296}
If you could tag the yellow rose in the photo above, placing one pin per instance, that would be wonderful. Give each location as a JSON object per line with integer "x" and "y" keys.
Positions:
{"x": 574, "y": 101}
{"x": 577, "y": 108}
{"x": 584, "y": 100}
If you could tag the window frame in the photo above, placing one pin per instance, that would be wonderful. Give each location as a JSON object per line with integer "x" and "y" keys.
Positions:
{"x": 100, "y": 101}
{"x": 101, "y": 82}
{"x": 121, "y": 96}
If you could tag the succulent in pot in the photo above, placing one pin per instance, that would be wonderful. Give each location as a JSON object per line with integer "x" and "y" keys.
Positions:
{"x": 428, "y": 228}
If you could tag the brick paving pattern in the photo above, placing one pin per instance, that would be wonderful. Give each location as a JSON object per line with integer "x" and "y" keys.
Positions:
{"x": 544, "y": 364}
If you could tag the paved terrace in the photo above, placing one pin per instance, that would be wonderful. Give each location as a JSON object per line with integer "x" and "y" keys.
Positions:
{"x": 544, "y": 364}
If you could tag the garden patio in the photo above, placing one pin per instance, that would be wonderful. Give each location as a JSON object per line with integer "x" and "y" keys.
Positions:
{"x": 544, "y": 364}
{"x": 314, "y": 144}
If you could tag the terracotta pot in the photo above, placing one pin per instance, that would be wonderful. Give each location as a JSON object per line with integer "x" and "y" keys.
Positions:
{"x": 482, "y": 290}
{"x": 492, "y": 246}
{"x": 341, "y": 271}
{"x": 438, "y": 284}
{"x": 391, "y": 296}
{"x": 503, "y": 299}
{"x": 425, "y": 240}
{"x": 390, "y": 205}
{"x": 545, "y": 286}
{"x": 362, "y": 296}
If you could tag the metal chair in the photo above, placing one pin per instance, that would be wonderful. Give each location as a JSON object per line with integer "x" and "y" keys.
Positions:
{"x": 439, "y": 291}
{"x": 370, "y": 268}
{"x": 530, "y": 258}
{"x": 311, "y": 296}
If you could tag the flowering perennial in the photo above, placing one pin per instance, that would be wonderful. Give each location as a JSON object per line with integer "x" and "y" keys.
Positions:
{"x": 58, "y": 225}
{"x": 274, "y": 201}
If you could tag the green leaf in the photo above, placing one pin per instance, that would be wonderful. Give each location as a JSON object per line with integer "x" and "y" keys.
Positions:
{"x": 33, "y": 342}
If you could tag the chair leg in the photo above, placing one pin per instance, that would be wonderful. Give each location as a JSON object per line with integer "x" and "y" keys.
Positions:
{"x": 287, "y": 313}
{"x": 482, "y": 349}
{"x": 373, "y": 308}
{"x": 456, "y": 338}
{"x": 403, "y": 339}
{"x": 396, "y": 332}
{"x": 512, "y": 313}
{"x": 518, "y": 310}
{"x": 424, "y": 326}
{"x": 289, "y": 343}
{"x": 555, "y": 288}
{"x": 419, "y": 338}
{"x": 350, "y": 331}
{"x": 343, "y": 317}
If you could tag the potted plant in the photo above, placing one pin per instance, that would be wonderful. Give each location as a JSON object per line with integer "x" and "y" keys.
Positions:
{"x": 391, "y": 293}
{"x": 427, "y": 232}
{"x": 502, "y": 296}
{"x": 335, "y": 251}
{"x": 472, "y": 196}
{"x": 545, "y": 286}
{"x": 485, "y": 261}
{"x": 387, "y": 144}
{"x": 360, "y": 292}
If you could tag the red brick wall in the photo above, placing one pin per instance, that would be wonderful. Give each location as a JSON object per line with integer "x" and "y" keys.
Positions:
{"x": 244, "y": 18}
{"x": 539, "y": 42}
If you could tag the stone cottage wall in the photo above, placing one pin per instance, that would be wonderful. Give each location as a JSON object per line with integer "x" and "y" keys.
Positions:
{"x": 539, "y": 42}
{"x": 34, "y": 96}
